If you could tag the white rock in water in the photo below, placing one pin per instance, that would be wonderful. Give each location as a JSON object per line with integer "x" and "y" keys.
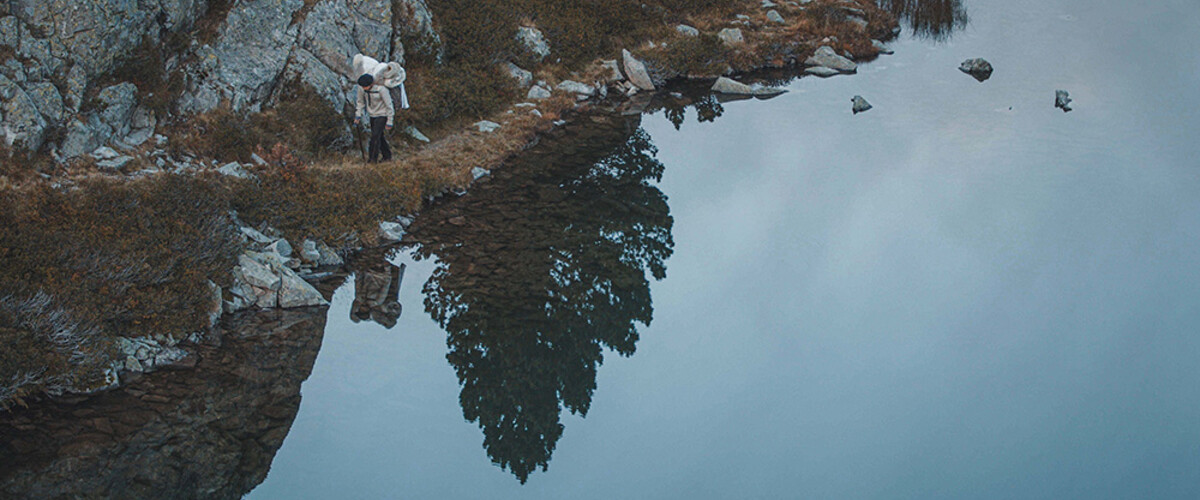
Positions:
{"x": 537, "y": 92}
{"x": 728, "y": 86}
{"x": 731, "y": 36}
{"x": 487, "y": 127}
{"x": 636, "y": 71}
{"x": 826, "y": 57}
{"x": 978, "y": 68}
{"x": 860, "y": 104}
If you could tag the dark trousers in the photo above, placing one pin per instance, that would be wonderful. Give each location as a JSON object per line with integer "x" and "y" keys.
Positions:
{"x": 379, "y": 143}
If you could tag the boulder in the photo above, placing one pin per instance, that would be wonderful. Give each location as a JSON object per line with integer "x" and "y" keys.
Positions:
{"x": 1062, "y": 100}
{"x": 391, "y": 232}
{"x": 574, "y": 87}
{"x": 414, "y": 31}
{"x": 235, "y": 169}
{"x": 728, "y": 86}
{"x": 859, "y": 104}
{"x": 309, "y": 254}
{"x": 686, "y": 30}
{"x": 883, "y": 49}
{"x": 731, "y": 36}
{"x": 534, "y": 41}
{"x": 537, "y": 92}
{"x": 613, "y": 73}
{"x": 775, "y": 17}
{"x": 524, "y": 78}
{"x": 636, "y": 71}
{"x": 978, "y": 68}
{"x": 280, "y": 247}
{"x": 295, "y": 292}
{"x": 827, "y": 58}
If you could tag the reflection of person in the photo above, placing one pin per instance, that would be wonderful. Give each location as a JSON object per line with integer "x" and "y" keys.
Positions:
{"x": 376, "y": 101}
{"x": 377, "y": 295}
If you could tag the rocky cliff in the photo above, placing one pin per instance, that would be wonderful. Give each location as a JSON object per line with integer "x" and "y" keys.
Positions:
{"x": 61, "y": 91}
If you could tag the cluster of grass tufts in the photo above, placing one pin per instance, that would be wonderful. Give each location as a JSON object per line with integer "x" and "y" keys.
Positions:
{"x": 105, "y": 259}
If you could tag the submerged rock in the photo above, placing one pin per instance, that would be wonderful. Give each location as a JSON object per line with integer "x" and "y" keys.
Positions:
{"x": 821, "y": 71}
{"x": 860, "y": 104}
{"x": 1062, "y": 100}
{"x": 826, "y": 57}
{"x": 728, "y": 86}
{"x": 978, "y": 68}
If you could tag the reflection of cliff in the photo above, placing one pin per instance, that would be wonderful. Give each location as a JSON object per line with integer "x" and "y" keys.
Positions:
{"x": 539, "y": 270}
{"x": 210, "y": 432}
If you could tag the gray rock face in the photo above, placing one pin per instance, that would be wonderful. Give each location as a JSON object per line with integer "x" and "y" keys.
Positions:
{"x": 534, "y": 41}
{"x": 23, "y": 125}
{"x": 414, "y": 31}
{"x": 1062, "y": 100}
{"x": 524, "y": 78}
{"x": 252, "y": 47}
{"x": 978, "y": 68}
{"x": 728, "y": 86}
{"x": 635, "y": 70}
{"x": 826, "y": 57}
{"x": 731, "y": 36}
{"x": 859, "y": 104}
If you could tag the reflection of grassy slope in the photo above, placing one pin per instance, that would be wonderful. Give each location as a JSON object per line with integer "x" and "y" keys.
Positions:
{"x": 106, "y": 259}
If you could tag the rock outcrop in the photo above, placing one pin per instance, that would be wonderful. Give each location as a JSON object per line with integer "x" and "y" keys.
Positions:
{"x": 825, "y": 57}
{"x": 250, "y": 54}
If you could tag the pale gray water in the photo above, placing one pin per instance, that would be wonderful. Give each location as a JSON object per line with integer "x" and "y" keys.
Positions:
{"x": 939, "y": 298}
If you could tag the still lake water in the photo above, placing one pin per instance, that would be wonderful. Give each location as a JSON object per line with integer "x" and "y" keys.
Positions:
{"x": 962, "y": 293}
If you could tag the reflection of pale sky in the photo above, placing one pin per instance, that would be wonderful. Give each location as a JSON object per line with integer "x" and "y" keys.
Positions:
{"x": 940, "y": 298}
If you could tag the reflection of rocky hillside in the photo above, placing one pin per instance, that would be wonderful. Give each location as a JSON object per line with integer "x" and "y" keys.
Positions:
{"x": 210, "y": 432}
{"x": 540, "y": 270}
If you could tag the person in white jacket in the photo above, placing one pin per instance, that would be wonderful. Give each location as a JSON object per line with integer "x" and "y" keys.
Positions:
{"x": 375, "y": 101}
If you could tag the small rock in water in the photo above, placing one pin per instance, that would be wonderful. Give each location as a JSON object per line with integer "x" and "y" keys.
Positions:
{"x": 978, "y": 68}
{"x": 825, "y": 56}
{"x": 860, "y": 104}
{"x": 1062, "y": 100}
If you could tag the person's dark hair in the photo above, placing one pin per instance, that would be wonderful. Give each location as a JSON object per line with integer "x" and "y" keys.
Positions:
{"x": 366, "y": 81}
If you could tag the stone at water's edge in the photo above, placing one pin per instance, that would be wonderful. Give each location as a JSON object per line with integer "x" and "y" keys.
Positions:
{"x": 821, "y": 71}
{"x": 860, "y": 104}
{"x": 295, "y": 292}
{"x": 728, "y": 86}
{"x": 635, "y": 70}
{"x": 827, "y": 58}
{"x": 883, "y": 49}
{"x": 1062, "y": 100}
{"x": 391, "y": 232}
{"x": 978, "y": 68}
